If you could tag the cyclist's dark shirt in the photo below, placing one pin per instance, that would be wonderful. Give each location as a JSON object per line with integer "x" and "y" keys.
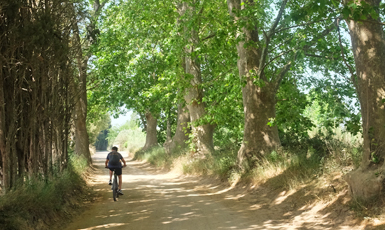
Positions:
{"x": 114, "y": 166}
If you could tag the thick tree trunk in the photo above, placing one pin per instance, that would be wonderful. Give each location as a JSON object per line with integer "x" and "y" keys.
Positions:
{"x": 151, "y": 137}
{"x": 258, "y": 98}
{"x": 181, "y": 133}
{"x": 258, "y": 137}
{"x": 203, "y": 134}
{"x": 368, "y": 43}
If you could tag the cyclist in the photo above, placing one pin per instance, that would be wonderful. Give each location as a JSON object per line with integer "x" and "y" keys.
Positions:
{"x": 113, "y": 162}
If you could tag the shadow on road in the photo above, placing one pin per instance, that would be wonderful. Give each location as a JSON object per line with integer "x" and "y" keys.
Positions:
{"x": 163, "y": 201}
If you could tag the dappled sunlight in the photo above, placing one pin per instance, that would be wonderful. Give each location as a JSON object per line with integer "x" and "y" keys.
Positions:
{"x": 166, "y": 201}
{"x": 106, "y": 226}
{"x": 281, "y": 198}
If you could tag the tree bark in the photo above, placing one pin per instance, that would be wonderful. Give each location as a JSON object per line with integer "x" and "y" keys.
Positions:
{"x": 202, "y": 133}
{"x": 258, "y": 97}
{"x": 181, "y": 133}
{"x": 6, "y": 183}
{"x": 168, "y": 131}
{"x": 368, "y": 44}
{"x": 80, "y": 89}
{"x": 259, "y": 138}
{"x": 151, "y": 137}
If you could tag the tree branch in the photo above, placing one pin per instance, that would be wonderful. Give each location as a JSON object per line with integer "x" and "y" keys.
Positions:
{"x": 208, "y": 37}
{"x": 323, "y": 34}
{"x": 286, "y": 68}
{"x": 368, "y": 21}
{"x": 343, "y": 56}
{"x": 276, "y": 57}
{"x": 303, "y": 24}
{"x": 268, "y": 37}
{"x": 318, "y": 56}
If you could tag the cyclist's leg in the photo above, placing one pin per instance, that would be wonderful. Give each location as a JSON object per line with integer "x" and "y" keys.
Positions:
{"x": 111, "y": 171}
{"x": 120, "y": 182}
{"x": 110, "y": 181}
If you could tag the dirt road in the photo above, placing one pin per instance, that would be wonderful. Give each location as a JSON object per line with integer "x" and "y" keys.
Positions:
{"x": 163, "y": 201}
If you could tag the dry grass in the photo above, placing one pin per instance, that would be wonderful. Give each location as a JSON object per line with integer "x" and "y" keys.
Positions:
{"x": 327, "y": 154}
{"x": 319, "y": 173}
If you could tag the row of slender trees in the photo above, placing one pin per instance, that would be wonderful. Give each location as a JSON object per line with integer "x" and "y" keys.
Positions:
{"x": 42, "y": 89}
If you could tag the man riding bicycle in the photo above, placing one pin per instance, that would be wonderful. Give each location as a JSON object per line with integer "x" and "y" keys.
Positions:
{"x": 114, "y": 164}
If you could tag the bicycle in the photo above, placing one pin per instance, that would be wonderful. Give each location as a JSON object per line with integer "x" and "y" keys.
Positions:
{"x": 115, "y": 186}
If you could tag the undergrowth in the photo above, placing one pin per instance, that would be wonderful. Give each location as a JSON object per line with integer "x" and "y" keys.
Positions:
{"x": 41, "y": 204}
{"x": 157, "y": 157}
{"x": 369, "y": 208}
{"x": 287, "y": 167}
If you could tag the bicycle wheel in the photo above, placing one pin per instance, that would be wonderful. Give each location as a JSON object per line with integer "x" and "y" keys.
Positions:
{"x": 115, "y": 188}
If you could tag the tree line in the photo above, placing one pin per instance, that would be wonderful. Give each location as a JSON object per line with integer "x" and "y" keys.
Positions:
{"x": 245, "y": 71}
{"x": 42, "y": 87}
{"x": 198, "y": 73}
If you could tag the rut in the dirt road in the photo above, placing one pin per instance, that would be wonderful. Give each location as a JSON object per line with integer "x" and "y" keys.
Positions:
{"x": 164, "y": 201}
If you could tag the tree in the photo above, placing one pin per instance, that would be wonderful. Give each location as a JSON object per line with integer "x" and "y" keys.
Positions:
{"x": 268, "y": 48}
{"x": 79, "y": 86}
{"x": 368, "y": 45}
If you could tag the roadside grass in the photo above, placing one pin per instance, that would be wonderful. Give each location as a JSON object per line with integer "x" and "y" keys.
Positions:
{"x": 318, "y": 165}
{"x": 371, "y": 208}
{"x": 324, "y": 153}
{"x": 156, "y": 156}
{"x": 42, "y": 204}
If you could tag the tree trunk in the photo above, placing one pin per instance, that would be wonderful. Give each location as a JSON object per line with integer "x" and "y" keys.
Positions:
{"x": 81, "y": 135}
{"x": 151, "y": 137}
{"x": 259, "y": 138}
{"x": 80, "y": 89}
{"x": 168, "y": 131}
{"x": 368, "y": 44}
{"x": 6, "y": 180}
{"x": 258, "y": 98}
{"x": 181, "y": 133}
{"x": 203, "y": 134}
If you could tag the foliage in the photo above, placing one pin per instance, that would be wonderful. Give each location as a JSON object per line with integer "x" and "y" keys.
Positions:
{"x": 142, "y": 45}
{"x": 97, "y": 126}
{"x": 101, "y": 140}
{"x": 127, "y": 136}
{"x": 293, "y": 125}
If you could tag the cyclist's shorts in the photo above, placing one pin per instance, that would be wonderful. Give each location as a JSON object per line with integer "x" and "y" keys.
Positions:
{"x": 118, "y": 171}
